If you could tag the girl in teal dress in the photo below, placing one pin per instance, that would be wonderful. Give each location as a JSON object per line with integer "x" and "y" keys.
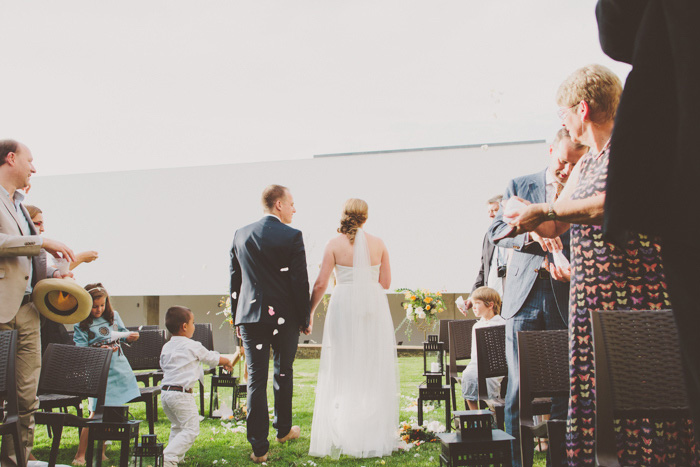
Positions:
{"x": 96, "y": 331}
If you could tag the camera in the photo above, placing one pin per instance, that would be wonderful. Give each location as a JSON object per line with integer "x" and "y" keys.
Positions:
{"x": 501, "y": 271}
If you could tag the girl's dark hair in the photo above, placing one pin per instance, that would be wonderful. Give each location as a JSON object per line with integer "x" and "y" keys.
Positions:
{"x": 354, "y": 216}
{"x": 96, "y": 290}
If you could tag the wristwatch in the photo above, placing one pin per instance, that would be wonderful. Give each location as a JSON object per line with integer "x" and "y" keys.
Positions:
{"x": 551, "y": 215}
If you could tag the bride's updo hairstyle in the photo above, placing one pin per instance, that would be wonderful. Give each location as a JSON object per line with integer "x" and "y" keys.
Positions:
{"x": 354, "y": 216}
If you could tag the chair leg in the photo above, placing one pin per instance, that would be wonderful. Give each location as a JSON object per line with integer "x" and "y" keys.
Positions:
{"x": 500, "y": 417}
{"x": 211, "y": 398}
{"x": 452, "y": 390}
{"x": 155, "y": 408}
{"x": 89, "y": 451}
{"x": 19, "y": 449}
{"x": 448, "y": 416}
{"x": 150, "y": 406}
{"x": 57, "y": 431}
{"x": 201, "y": 398}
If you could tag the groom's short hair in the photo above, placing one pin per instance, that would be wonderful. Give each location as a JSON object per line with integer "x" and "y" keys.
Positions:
{"x": 271, "y": 194}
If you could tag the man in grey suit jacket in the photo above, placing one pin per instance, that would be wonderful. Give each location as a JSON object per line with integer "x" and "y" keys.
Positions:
{"x": 533, "y": 299}
{"x": 21, "y": 267}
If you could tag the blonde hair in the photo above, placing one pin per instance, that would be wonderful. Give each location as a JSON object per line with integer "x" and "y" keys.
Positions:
{"x": 595, "y": 84}
{"x": 271, "y": 194}
{"x": 488, "y": 295}
{"x": 354, "y": 215}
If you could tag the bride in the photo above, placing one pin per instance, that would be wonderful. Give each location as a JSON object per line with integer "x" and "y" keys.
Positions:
{"x": 356, "y": 410}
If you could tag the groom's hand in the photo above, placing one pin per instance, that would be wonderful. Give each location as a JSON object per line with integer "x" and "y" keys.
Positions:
{"x": 306, "y": 330}
{"x": 238, "y": 332}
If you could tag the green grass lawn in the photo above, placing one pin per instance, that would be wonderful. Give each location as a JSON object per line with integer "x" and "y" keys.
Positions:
{"x": 218, "y": 446}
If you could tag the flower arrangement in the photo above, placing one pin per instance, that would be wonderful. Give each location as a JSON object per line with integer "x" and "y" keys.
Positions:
{"x": 225, "y": 303}
{"x": 419, "y": 434}
{"x": 421, "y": 304}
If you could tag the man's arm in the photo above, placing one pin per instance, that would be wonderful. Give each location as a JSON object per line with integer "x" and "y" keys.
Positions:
{"x": 236, "y": 280}
{"x": 499, "y": 228}
{"x": 300, "y": 280}
{"x": 480, "y": 279}
{"x": 20, "y": 245}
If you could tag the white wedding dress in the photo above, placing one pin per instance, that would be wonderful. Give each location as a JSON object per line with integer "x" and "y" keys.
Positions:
{"x": 357, "y": 397}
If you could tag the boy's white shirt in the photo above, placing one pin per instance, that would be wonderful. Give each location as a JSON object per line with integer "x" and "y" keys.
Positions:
{"x": 180, "y": 361}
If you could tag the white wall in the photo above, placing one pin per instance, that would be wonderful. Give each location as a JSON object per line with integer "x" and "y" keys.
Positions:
{"x": 168, "y": 232}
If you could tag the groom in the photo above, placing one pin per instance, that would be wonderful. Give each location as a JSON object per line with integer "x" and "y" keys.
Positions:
{"x": 270, "y": 305}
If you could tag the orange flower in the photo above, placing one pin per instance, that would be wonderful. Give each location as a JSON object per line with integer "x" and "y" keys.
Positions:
{"x": 427, "y": 307}
{"x": 427, "y": 299}
{"x": 413, "y": 297}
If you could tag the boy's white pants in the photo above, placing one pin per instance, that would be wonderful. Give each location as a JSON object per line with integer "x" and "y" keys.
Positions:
{"x": 181, "y": 410}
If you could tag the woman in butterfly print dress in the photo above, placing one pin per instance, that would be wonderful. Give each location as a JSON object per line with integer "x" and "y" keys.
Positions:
{"x": 603, "y": 276}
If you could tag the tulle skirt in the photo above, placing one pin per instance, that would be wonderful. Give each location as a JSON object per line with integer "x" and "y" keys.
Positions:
{"x": 356, "y": 410}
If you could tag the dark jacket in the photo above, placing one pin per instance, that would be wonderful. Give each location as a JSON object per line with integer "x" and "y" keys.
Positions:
{"x": 654, "y": 164}
{"x": 268, "y": 269}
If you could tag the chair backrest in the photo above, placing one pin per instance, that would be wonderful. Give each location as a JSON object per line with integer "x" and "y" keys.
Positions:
{"x": 543, "y": 358}
{"x": 144, "y": 353}
{"x": 490, "y": 355}
{"x": 145, "y": 327}
{"x": 203, "y": 334}
{"x": 75, "y": 371}
{"x": 8, "y": 383}
{"x": 444, "y": 335}
{"x": 638, "y": 372}
{"x": 460, "y": 338}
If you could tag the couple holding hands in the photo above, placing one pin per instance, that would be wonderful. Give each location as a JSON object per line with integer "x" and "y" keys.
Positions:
{"x": 356, "y": 408}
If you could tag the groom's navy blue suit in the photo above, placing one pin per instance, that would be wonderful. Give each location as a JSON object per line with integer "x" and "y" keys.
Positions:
{"x": 531, "y": 302}
{"x": 270, "y": 303}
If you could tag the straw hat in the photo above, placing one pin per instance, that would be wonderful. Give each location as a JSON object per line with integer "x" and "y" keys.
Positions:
{"x": 62, "y": 300}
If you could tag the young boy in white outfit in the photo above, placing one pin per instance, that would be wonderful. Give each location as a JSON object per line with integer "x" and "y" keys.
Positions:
{"x": 487, "y": 306}
{"x": 181, "y": 360}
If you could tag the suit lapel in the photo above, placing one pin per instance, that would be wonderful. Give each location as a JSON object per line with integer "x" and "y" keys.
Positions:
{"x": 32, "y": 229}
{"x": 13, "y": 213}
{"x": 537, "y": 188}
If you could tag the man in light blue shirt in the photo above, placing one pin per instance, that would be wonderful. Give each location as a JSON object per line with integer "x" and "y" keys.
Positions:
{"x": 22, "y": 265}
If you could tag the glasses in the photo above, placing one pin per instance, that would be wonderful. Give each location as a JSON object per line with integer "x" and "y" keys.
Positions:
{"x": 562, "y": 112}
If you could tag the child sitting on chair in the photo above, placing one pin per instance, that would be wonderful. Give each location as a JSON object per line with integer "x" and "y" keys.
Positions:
{"x": 487, "y": 306}
{"x": 180, "y": 360}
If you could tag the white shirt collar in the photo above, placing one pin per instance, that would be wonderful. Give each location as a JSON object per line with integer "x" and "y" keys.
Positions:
{"x": 273, "y": 215}
{"x": 549, "y": 178}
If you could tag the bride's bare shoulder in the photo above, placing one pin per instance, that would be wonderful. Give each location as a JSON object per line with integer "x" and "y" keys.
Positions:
{"x": 374, "y": 239}
{"x": 338, "y": 241}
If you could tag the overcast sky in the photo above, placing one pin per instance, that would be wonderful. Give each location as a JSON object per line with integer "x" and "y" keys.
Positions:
{"x": 96, "y": 86}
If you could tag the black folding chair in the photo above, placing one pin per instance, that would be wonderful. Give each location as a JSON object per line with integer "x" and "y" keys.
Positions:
{"x": 639, "y": 373}
{"x": 543, "y": 358}
{"x": 8, "y": 392}
{"x": 491, "y": 363}
{"x": 144, "y": 354}
{"x": 74, "y": 371}
{"x": 460, "y": 344}
{"x": 203, "y": 334}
